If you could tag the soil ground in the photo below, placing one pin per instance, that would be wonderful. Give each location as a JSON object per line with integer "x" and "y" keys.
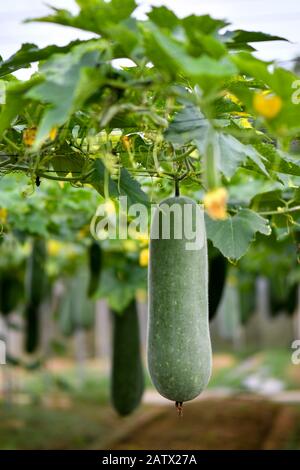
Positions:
{"x": 233, "y": 423}
{"x": 238, "y": 422}
{"x": 52, "y": 409}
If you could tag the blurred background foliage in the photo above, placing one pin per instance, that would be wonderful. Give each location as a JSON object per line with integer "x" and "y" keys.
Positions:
{"x": 192, "y": 107}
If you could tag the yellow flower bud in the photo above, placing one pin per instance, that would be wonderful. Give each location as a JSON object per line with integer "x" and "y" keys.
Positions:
{"x": 53, "y": 133}
{"x": 144, "y": 257}
{"x": 130, "y": 246}
{"x": 126, "y": 141}
{"x": 232, "y": 97}
{"x": 267, "y": 105}
{"x": 3, "y": 215}
{"x": 245, "y": 123}
{"x": 215, "y": 203}
{"x": 54, "y": 247}
{"x": 29, "y": 136}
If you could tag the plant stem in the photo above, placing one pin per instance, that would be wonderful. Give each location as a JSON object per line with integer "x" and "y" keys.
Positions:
{"x": 45, "y": 175}
{"x": 185, "y": 154}
{"x": 2, "y": 164}
{"x": 177, "y": 189}
{"x": 11, "y": 143}
{"x": 281, "y": 211}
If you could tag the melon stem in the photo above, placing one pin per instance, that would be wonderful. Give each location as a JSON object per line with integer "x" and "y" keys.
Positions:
{"x": 179, "y": 408}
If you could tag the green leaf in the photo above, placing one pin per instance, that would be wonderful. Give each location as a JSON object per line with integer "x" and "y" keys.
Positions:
{"x": 70, "y": 79}
{"x": 126, "y": 186}
{"x": 170, "y": 55}
{"x": 142, "y": 151}
{"x": 278, "y": 161}
{"x": 279, "y": 80}
{"x": 240, "y": 36}
{"x": 30, "y": 53}
{"x": 163, "y": 17}
{"x": 267, "y": 201}
{"x": 234, "y": 153}
{"x": 97, "y": 179}
{"x": 202, "y": 38}
{"x": 118, "y": 293}
{"x": 234, "y": 235}
{"x": 15, "y": 100}
{"x": 126, "y": 34}
{"x": 70, "y": 162}
{"x": 204, "y": 23}
{"x": 94, "y": 15}
{"x": 239, "y": 39}
{"x": 188, "y": 124}
{"x": 109, "y": 12}
{"x": 248, "y": 186}
{"x": 132, "y": 189}
{"x": 206, "y": 44}
{"x": 120, "y": 281}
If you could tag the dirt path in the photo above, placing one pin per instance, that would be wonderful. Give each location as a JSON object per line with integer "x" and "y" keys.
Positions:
{"x": 231, "y": 423}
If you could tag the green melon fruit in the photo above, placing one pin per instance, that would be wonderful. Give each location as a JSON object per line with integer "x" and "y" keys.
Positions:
{"x": 36, "y": 283}
{"x": 95, "y": 264}
{"x": 11, "y": 292}
{"x": 32, "y": 327}
{"x": 283, "y": 297}
{"x": 179, "y": 348}
{"x": 127, "y": 378}
{"x": 217, "y": 277}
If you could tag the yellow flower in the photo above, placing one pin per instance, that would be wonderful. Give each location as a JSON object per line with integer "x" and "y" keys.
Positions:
{"x": 29, "y": 136}
{"x": 130, "y": 245}
{"x": 143, "y": 238}
{"x": 215, "y": 203}
{"x": 232, "y": 97}
{"x": 245, "y": 123}
{"x": 240, "y": 113}
{"x": 267, "y": 104}
{"x": 126, "y": 141}
{"x": 144, "y": 257}
{"x": 53, "y": 133}
{"x": 54, "y": 247}
{"x": 3, "y": 215}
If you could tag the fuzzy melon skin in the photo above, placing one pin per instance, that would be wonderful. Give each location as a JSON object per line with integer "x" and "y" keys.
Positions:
{"x": 179, "y": 347}
{"x": 95, "y": 264}
{"x": 127, "y": 376}
{"x": 11, "y": 292}
{"x": 36, "y": 283}
{"x": 216, "y": 284}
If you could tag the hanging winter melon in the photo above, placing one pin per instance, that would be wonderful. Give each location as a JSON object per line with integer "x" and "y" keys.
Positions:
{"x": 179, "y": 348}
{"x": 127, "y": 378}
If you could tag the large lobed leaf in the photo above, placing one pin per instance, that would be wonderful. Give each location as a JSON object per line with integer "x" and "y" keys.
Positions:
{"x": 30, "y": 53}
{"x": 234, "y": 235}
{"x": 94, "y": 15}
{"x": 189, "y": 124}
{"x": 126, "y": 186}
{"x": 69, "y": 80}
{"x": 170, "y": 55}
